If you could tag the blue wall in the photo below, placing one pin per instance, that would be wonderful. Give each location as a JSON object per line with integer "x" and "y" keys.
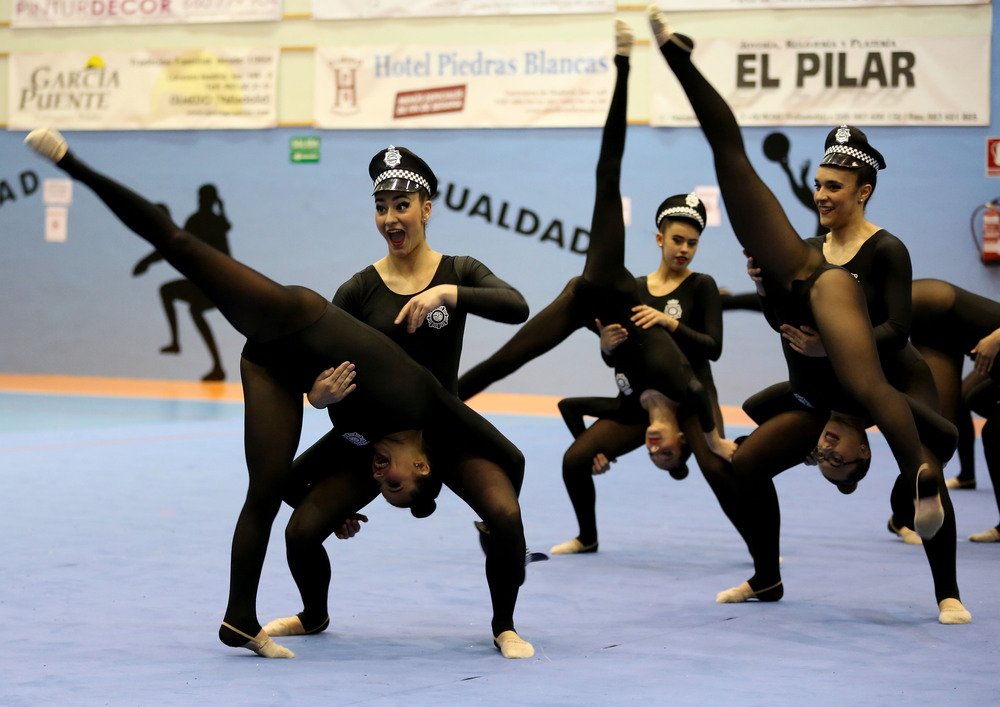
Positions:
{"x": 74, "y": 308}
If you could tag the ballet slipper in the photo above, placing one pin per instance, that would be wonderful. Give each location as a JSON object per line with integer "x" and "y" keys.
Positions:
{"x": 623, "y": 38}
{"x": 928, "y": 513}
{"x": 909, "y": 537}
{"x": 745, "y": 592}
{"x": 48, "y": 143}
{"x": 988, "y": 536}
{"x": 261, "y": 644}
{"x": 511, "y": 645}
{"x": 960, "y": 483}
{"x": 573, "y": 547}
{"x": 662, "y": 32}
{"x": 292, "y": 626}
{"x": 953, "y": 612}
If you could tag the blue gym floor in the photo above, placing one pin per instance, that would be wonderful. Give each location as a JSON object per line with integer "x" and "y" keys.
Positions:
{"x": 117, "y": 521}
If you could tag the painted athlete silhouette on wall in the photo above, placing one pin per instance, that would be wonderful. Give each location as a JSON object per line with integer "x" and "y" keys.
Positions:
{"x": 209, "y": 223}
{"x": 776, "y": 147}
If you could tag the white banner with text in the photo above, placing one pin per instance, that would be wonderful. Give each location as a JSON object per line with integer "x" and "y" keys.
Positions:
{"x": 82, "y": 13}
{"x": 521, "y": 85}
{"x": 154, "y": 89}
{"x": 922, "y": 80}
{"x": 366, "y": 9}
{"x": 669, "y": 5}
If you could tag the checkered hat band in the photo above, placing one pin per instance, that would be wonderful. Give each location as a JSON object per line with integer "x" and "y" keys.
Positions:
{"x": 855, "y": 153}
{"x": 685, "y": 211}
{"x": 402, "y": 174}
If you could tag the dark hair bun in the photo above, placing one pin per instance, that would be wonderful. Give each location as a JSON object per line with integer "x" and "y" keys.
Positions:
{"x": 423, "y": 508}
{"x": 847, "y": 488}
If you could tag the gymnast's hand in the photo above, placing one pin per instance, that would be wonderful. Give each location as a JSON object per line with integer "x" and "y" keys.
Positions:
{"x": 612, "y": 336}
{"x": 646, "y": 317}
{"x": 601, "y": 464}
{"x": 985, "y": 352}
{"x": 724, "y": 448}
{"x": 416, "y": 310}
{"x": 804, "y": 339}
{"x": 351, "y": 526}
{"x": 332, "y": 386}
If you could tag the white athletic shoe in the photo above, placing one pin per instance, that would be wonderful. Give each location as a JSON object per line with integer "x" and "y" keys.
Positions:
{"x": 48, "y": 143}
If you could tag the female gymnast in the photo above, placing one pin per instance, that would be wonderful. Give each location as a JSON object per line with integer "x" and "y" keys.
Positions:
{"x": 423, "y": 435}
{"x": 605, "y": 294}
{"x": 420, "y": 299}
{"x": 950, "y": 323}
{"x": 811, "y": 292}
{"x": 684, "y": 303}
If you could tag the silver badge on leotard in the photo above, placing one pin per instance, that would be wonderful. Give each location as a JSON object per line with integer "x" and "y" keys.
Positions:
{"x": 673, "y": 309}
{"x": 392, "y": 157}
{"x": 623, "y": 385}
{"x": 355, "y": 438}
{"x": 437, "y": 318}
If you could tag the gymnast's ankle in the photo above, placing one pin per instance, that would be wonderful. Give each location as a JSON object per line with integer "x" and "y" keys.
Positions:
{"x": 928, "y": 511}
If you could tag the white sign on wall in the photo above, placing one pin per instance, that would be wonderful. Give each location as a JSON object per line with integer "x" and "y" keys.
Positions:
{"x": 366, "y": 9}
{"x": 81, "y": 13}
{"x": 155, "y": 89}
{"x": 888, "y": 80}
{"x": 537, "y": 85}
{"x": 668, "y": 5}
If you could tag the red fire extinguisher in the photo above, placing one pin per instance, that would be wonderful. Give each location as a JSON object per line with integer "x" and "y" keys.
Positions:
{"x": 989, "y": 246}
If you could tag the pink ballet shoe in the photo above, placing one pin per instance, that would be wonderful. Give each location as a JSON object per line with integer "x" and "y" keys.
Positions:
{"x": 261, "y": 644}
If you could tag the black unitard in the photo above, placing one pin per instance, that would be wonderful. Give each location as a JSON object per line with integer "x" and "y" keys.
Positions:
{"x": 294, "y": 334}
{"x": 317, "y": 489}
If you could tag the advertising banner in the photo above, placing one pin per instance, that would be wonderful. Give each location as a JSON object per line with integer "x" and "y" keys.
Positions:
{"x": 81, "y": 13}
{"x": 153, "y": 89}
{"x": 367, "y": 9}
{"x": 885, "y": 80}
{"x": 521, "y": 85}
{"x": 668, "y": 5}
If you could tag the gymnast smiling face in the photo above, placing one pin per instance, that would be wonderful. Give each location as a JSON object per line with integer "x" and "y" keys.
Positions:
{"x": 842, "y": 452}
{"x": 399, "y": 464}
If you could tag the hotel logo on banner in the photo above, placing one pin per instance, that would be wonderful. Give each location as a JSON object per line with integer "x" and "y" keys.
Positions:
{"x": 554, "y": 84}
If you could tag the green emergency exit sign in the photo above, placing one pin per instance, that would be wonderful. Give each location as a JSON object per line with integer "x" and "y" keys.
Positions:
{"x": 304, "y": 149}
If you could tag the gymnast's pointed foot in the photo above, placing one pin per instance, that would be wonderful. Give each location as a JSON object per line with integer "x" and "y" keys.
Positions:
{"x": 261, "y": 644}
{"x": 573, "y": 547}
{"x": 909, "y": 537}
{"x": 745, "y": 592}
{"x": 952, "y": 611}
{"x": 511, "y": 645}
{"x": 48, "y": 143}
{"x": 957, "y": 482}
{"x": 624, "y": 37}
{"x": 662, "y": 32}
{"x": 987, "y": 536}
{"x": 928, "y": 515}
{"x": 293, "y": 626}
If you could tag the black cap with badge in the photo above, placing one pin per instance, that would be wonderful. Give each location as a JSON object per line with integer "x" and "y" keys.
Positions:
{"x": 848, "y": 147}
{"x": 685, "y": 206}
{"x": 398, "y": 169}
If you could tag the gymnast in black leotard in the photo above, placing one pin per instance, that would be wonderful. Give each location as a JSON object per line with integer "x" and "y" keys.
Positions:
{"x": 684, "y": 303}
{"x": 807, "y": 292}
{"x": 605, "y": 294}
{"x": 418, "y": 298}
{"x": 950, "y": 323}
{"x": 294, "y": 334}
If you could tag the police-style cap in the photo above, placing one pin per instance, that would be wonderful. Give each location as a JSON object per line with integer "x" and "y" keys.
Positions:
{"x": 686, "y": 206}
{"x": 398, "y": 169}
{"x": 848, "y": 147}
